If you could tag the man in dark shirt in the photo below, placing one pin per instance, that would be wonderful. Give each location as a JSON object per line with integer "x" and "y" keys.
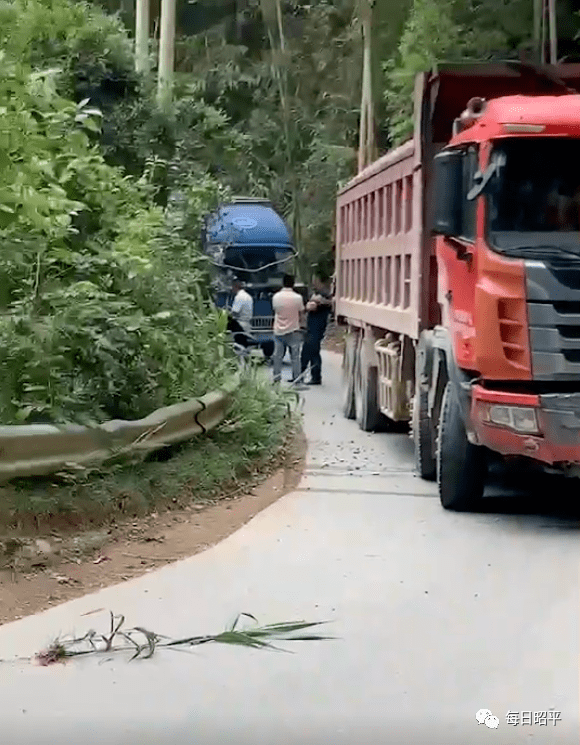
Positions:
{"x": 319, "y": 308}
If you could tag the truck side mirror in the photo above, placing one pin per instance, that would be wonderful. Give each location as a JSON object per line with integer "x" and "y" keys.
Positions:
{"x": 448, "y": 186}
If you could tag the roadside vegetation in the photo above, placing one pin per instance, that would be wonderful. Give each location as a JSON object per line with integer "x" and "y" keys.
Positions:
{"x": 105, "y": 310}
{"x": 260, "y": 425}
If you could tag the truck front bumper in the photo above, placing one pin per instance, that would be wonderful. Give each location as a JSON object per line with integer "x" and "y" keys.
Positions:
{"x": 545, "y": 428}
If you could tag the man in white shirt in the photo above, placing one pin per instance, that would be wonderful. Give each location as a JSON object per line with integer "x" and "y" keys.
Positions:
{"x": 243, "y": 306}
{"x": 289, "y": 318}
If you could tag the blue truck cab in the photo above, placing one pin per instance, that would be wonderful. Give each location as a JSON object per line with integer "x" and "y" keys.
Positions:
{"x": 247, "y": 239}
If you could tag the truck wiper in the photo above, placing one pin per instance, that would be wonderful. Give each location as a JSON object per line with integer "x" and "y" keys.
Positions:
{"x": 540, "y": 252}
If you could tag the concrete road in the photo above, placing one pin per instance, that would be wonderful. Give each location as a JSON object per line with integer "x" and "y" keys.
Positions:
{"x": 436, "y": 616}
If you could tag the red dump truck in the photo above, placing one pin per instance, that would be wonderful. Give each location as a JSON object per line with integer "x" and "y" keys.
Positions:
{"x": 458, "y": 276}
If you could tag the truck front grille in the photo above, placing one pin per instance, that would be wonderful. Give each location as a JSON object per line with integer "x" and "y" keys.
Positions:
{"x": 261, "y": 323}
{"x": 554, "y": 320}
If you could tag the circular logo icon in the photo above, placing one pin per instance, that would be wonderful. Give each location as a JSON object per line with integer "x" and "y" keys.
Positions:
{"x": 244, "y": 223}
{"x": 482, "y": 715}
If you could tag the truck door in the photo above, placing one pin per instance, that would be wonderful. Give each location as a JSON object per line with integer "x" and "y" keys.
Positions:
{"x": 457, "y": 258}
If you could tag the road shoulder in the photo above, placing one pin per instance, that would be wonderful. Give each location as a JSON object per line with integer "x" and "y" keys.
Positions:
{"x": 70, "y": 566}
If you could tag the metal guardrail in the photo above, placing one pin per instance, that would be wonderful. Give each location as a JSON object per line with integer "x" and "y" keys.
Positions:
{"x": 42, "y": 449}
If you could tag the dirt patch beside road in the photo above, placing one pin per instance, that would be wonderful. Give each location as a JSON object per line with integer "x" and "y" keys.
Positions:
{"x": 38, "y": 573}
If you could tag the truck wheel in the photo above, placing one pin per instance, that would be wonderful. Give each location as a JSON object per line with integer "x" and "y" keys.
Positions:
{"x": 423, "y": 437}
{"x": 461, "y": 466}
{"x": 348, "y": 370}
{"x": 366, "y": 394}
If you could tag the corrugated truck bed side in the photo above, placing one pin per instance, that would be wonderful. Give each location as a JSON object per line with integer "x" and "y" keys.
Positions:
{"x": 384, "y": 270}
{"x": 380, "y": 233}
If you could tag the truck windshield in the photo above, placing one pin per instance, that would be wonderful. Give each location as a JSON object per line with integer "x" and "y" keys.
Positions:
{"x": 257, "y": 266}
{"x": 534, "y": 201}
{"x": 254, "y": 259}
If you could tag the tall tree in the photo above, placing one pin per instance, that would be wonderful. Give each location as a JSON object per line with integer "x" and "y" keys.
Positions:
{"x": 367, "y": 150}
{"x": 281, "y": 62}
{"x": 142, "y": 23}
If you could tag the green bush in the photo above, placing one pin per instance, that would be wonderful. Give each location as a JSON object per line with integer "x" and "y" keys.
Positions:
{"x": 439, "y": 31}
{"x": 431, "y": 35}
{"x": 104, "y": 314}
{"x": 94, "y": 58}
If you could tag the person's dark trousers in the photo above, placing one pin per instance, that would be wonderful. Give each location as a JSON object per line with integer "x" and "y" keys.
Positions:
{"x": 311, "y": 354}
{"x": 238, "y": 333}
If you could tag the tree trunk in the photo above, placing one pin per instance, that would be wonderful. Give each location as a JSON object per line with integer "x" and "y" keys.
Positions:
{"x": 272, "y": 14}
{"x": 142, "y": 36}
{"x": 166, "y": 54}
{"x": 367, "y": 141}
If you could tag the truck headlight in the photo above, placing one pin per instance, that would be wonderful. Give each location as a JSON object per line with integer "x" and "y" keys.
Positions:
{"x": 522, "y": 419}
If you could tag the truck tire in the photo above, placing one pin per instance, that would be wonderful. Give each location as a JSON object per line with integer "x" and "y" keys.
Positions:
{"x": 424, "y": 437}
{"x": 366, "y": 394}
{"x": 348, "y": 371}
{"x": 461, "y": 466}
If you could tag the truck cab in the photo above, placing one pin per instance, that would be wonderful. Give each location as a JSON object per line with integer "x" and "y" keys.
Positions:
{"x": 507, "y": 220}
{"x": 247, "y": 239}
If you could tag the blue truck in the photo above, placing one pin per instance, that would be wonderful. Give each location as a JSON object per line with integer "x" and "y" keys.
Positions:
{"x": 247, "y": 239}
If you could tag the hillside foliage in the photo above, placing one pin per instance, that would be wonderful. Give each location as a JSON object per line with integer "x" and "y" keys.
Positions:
{"x": 104, "y": 304}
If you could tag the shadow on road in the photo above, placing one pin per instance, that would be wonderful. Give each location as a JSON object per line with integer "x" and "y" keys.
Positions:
{"x": 517, "y": 491}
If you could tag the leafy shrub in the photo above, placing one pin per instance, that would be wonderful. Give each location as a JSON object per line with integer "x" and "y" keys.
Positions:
{"x": 103, "y": 309}
{"x": 449, "y": 31}
{"x": 68, "y": 34}
{"x": 94, "y": 58}
{"x": 431, "y": 35}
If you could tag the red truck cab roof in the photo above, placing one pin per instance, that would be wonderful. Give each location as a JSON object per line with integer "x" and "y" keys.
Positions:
{"x": 523, "y": 115}
{"x": 448, "y": 88}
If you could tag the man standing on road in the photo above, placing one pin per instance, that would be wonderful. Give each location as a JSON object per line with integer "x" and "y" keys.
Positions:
{"x": 243, "y": 306}
{"x": 288, "y": 319}
{"x": 318, "y": 307}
